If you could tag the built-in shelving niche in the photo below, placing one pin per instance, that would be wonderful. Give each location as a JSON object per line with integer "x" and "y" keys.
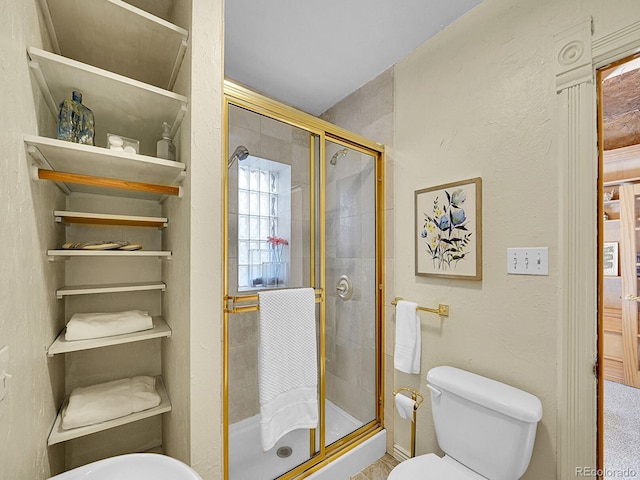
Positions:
{"x": 125, "y": 62}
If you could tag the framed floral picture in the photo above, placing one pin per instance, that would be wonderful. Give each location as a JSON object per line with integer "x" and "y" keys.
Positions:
{"x": 448, "y": 233}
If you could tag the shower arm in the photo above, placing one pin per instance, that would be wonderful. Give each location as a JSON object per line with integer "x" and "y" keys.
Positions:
{"x": 231, "y": 302}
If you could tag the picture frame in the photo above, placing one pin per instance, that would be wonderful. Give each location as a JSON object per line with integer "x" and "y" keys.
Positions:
{"x": 448, "y": 230}
{"x": 610, "y": 259}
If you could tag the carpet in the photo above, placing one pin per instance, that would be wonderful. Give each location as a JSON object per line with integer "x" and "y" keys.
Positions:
{"x": 621, "y": 431}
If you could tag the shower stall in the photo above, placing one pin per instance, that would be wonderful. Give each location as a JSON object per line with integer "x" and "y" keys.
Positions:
{"x": 303, "y": 204}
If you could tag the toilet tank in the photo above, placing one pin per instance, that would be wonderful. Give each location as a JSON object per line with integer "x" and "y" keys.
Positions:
{"x": 485, "y": 425}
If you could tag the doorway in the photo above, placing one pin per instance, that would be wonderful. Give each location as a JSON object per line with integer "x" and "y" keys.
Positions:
{"x": 619, "y": 266}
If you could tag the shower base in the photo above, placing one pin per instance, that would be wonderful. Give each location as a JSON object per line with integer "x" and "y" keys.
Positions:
{"x": 247, "y": 461}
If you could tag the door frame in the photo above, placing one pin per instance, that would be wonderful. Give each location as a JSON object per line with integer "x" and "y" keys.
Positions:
{"x": 577, "y": 58}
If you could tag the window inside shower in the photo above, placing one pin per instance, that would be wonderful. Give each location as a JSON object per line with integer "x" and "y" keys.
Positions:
{"x": 264, "y": 223}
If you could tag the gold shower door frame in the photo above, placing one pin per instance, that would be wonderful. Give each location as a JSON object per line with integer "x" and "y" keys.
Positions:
{"x": 319, "y": 131}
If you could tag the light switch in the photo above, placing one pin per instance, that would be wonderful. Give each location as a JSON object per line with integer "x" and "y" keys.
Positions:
{"x": 4, "y": 374}
{"x": 528, "y": 261}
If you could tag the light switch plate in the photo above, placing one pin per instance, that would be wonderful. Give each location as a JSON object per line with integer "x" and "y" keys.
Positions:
{"x": 4, "y": 366}
{"x": 528, "y": 261}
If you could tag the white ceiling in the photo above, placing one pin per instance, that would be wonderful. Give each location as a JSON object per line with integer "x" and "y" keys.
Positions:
{"x": 311, "y": 54}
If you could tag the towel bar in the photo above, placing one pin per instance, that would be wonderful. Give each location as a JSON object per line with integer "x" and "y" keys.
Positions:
{"x": 231, "y": 301}
{"x": 442, "y": 310}
{"x": 418, "y": 399}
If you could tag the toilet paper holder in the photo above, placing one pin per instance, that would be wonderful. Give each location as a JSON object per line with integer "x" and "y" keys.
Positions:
{"x": 418, "y": 398}
{"x": 414, "y": 396}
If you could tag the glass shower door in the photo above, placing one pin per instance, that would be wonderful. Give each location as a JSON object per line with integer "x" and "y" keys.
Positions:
{"x": 268, "y": 247}
{"x": 350, "y": 320}
{"x": 301, "y": 211}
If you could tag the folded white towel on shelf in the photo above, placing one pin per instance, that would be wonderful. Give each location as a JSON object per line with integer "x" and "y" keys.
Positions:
{"x": 83, "y": 326}
{"x": 405, "y": 406}
{"x": 408, "y": 347}
{"x": 287, "y": 363}
{"x": 106, "y": 401}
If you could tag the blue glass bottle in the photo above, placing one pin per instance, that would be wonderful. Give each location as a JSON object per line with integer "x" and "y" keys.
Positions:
{"x": 75, "y": 121}
{"x": 67, "y": 118}
{"x": 85, "y": 128}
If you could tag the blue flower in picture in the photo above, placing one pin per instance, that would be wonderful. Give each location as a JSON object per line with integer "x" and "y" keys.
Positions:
{"x": 444, "y": 223}
{"x": 458, "y": 217}
{"x": 444, "y": 231}
{"x": 458, "y": 197}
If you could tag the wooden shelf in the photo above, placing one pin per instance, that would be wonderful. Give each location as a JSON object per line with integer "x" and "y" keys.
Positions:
{"x": 58, "y": 435}
{"x": 72, "y": 290}
{"x": 120, "y": 105}
{"x": 631, "y": 152}
{"x": 60, "y": 345}
{"x": 612, "y": 359}
{"x": 60, "y": 156}
{"x": 132, "y": 42}
{"x": 108, "y": 253}
{"x": 613, "y": 183}
{"x": 87, "y": 218}
{"x": 612, "y": 320}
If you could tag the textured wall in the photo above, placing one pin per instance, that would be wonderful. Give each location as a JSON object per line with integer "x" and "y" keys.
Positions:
{"x": 192, "y": 359}
{"x": 206, "y": 165}
{"x": 30, "y": 315}
{"x": 479, "y": 100}
{"x": 369, "y": 112}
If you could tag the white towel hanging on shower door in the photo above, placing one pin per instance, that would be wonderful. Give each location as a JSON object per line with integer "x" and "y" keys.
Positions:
{"x": 287, "y": 363}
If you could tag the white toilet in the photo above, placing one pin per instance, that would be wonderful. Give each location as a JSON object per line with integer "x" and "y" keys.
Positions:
{"x": 485, "y": 428}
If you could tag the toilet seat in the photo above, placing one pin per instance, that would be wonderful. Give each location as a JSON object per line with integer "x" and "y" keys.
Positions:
{"x": 432, "y": 467}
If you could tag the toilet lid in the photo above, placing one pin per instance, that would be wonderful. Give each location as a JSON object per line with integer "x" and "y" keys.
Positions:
{"x": 432, "y": 467}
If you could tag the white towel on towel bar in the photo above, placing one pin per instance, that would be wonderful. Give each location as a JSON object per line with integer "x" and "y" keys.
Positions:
{"x": 408, "y": 348}
{"x": 287, "y": 363}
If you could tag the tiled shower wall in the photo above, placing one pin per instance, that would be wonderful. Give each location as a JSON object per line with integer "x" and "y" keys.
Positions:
{"x": 350, "y": 250}
{"x": 369, "y": 112}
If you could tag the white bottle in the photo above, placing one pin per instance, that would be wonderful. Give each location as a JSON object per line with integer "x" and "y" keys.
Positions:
{"x": 166, "y": 149}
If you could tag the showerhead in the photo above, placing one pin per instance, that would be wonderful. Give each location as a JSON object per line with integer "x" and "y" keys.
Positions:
{"x": 339, "y": 153}
{"x": 240, "y": 153}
